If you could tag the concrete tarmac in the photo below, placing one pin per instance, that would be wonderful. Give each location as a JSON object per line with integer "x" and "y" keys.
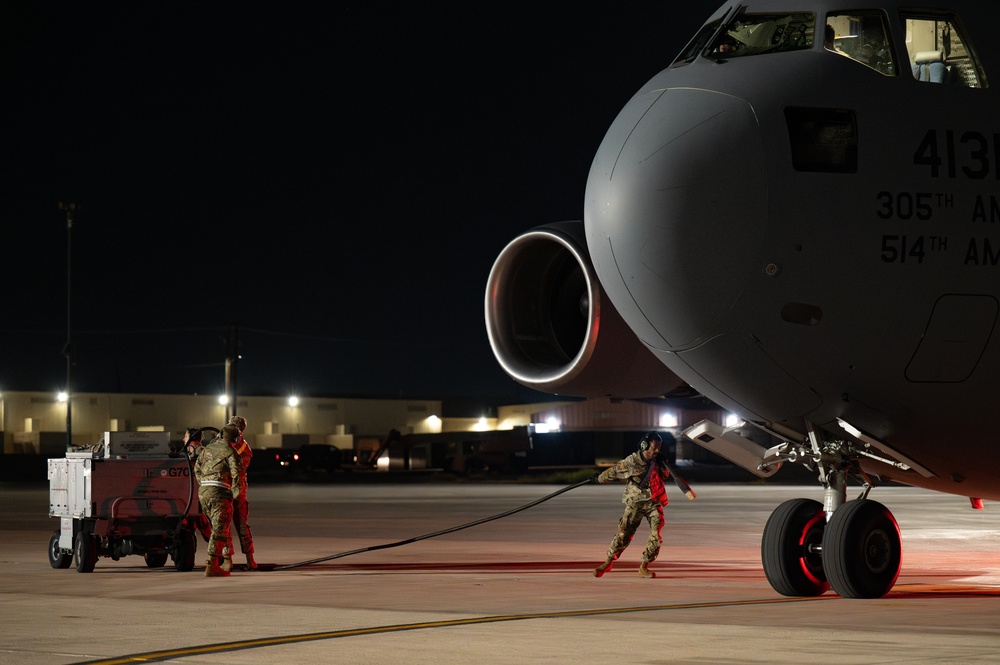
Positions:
{"x": 515, "y": 590}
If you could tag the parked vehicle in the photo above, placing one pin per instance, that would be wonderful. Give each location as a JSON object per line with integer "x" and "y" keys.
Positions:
{"x": 310, "y": 457}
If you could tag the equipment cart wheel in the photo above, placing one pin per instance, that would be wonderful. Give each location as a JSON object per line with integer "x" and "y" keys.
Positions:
{"x": 187, "y": 545}
{"x": 155, "y": 559}
{"x": 85, "y": 551}
{"x": 58, "y": 558}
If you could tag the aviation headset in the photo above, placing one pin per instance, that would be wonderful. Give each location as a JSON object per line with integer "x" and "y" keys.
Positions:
{"x": 194, "y": 433}
{"x": 648, "y": 439}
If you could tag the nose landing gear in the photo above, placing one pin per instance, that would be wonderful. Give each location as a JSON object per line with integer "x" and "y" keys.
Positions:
{"x": 853, "y": 547}
{"x": 858, "y": 553}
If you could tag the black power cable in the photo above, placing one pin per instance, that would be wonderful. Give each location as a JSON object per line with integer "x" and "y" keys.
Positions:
{"x": 426, "y": 535}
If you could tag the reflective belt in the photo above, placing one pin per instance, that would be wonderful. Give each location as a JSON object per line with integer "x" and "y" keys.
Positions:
{"x": 214, "y": 483}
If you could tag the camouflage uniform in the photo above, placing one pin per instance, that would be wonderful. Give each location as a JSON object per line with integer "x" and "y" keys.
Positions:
{"x": 218, "y": 471}
{"x": 199, "y": 521}
{"x": 642, "y": 500}
{"x": 240, "y": 507}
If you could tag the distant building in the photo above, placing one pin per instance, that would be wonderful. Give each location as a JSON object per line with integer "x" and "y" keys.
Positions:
{"x": 35, "y": 422}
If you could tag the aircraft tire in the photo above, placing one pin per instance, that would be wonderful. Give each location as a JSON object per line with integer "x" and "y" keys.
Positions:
{"x": 791, "y": 568}
{"x": 862, "y": 550}
{"x": 57, "y": 558}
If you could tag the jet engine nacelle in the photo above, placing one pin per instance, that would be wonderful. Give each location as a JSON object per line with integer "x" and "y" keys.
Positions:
{"x": 553, "y": 328}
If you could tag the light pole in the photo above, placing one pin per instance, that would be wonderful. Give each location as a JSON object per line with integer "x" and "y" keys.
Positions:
{"x": 70, "y": 209}
{"x": 232, "y": 355}
{"x": 229, "y": 389}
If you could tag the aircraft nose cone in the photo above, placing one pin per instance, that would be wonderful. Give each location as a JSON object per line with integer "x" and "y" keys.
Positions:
{"x": 676, "y": 200}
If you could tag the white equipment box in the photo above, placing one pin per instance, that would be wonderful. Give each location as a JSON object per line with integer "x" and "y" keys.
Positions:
{"x": 127, "y": 496}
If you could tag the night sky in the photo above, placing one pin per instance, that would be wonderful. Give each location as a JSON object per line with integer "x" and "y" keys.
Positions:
{"x": 334, "y": 180}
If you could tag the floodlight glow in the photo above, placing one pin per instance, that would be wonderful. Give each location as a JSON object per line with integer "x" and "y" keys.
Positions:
{"x": 554, "y": 424}
{"x": 732, "y": 420}
{"x": 293, "y": 401}
{"x": 223, "y": 400}
{"x": 62, "y": 396}
{"x": 668, "y": 420}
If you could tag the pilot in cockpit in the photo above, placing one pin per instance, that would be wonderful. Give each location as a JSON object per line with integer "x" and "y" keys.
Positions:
{"x": 727, "y": 45}
{"x": 829, "y": 36}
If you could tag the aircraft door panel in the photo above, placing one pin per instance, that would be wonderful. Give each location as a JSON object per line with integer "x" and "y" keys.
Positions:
{"x": 957, "y": 333}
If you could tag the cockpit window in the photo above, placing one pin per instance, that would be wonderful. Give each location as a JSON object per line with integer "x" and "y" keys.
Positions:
{"x": 754, "y": 34}
{"x": 697, "y": 44}
{"x": 939, "y": 53}
{"x": 863, "y": 37}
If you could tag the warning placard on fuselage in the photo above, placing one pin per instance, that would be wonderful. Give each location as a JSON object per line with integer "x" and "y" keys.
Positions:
{"x": 136, "y": 444}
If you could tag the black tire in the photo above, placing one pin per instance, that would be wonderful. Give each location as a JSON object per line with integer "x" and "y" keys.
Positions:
{"x": 58, "y": 558}
{"x": 155, "y": 559}
{"x": 85, "y": 552}
{"x": 791, "y": 568}
{"x": 862, "y": 550}
{"x": 187, "y": 546}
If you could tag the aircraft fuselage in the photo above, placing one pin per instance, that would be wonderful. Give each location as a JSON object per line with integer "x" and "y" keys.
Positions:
{"x": 805, "y": 235}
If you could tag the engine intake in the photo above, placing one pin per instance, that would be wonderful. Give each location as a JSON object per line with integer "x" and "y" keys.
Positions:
{"x": 553, "y": 329}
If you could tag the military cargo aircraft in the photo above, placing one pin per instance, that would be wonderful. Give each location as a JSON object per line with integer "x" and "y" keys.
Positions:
{"x": 799, "y": 218}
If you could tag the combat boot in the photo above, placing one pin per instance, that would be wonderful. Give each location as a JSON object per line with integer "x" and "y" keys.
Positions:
{"x": 603, "y": 568}
{"x": 251, "y": 564}
{"x": 644, "y": 571}
{"x": 213, "y": 569}
{"x": 227, "y": 560}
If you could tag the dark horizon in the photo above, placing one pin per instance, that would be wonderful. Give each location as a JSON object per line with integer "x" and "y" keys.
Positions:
{"x": 337, "y": 183}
